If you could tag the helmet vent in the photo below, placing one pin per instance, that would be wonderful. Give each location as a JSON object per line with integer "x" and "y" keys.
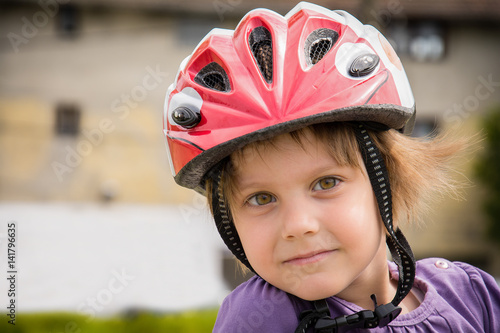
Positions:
{"x": 318, "y": 43}
{"x": 214, "y": 77}
{"x": 262, "y": 48}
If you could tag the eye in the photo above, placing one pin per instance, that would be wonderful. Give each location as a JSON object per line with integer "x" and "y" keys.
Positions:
{"x": 261, "y": 199}
{"x": 325, "y": 184}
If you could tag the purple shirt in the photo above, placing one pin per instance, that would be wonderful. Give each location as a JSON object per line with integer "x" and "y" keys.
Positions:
{"x": 457, "y": 298}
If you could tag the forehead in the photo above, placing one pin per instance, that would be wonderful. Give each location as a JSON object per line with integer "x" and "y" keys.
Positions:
{"x": 337, "y": 140}
{"x": 288, "y": 147}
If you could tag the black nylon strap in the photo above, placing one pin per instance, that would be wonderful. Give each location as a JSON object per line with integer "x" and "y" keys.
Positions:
{"x": 307, "y": 320}
{"x": 397, "y": 243}
{"x": 224, "y": 220}
{"x": 310, "y": 317}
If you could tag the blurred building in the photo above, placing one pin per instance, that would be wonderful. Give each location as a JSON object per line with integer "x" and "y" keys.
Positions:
{"x": 82, "y": 86}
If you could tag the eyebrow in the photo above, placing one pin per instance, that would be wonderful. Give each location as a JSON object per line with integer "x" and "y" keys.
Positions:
{"x": 327, "y": 169}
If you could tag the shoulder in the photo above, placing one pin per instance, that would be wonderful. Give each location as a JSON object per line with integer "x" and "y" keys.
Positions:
{"x": 458, "y": 274}
{"x": 256, "y": 306}
{"x": 467, "y": 289}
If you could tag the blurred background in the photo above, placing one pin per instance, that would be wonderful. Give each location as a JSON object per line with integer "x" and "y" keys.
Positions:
{"x": 101, "y": 228}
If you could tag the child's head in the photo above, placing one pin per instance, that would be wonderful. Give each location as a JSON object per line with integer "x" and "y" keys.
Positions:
{"x": 325, "y": 78}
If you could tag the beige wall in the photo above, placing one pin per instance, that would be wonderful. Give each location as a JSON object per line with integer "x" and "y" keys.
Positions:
{"x": 471, "y": 54}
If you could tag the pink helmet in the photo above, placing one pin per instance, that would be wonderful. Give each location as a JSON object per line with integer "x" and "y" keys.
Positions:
{"x": 275, "y": 74}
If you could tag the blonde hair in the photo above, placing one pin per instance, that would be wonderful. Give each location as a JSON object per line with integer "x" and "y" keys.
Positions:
{"x": 419, "y": 168}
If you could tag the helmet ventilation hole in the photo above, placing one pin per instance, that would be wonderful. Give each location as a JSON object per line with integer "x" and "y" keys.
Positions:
{"x": 319, "y": 49}
{"x": 214, "y": 81}
{"x": 261, "y": 44}
{"x": 214, "y": 77}
{"x": 318, "y": 43}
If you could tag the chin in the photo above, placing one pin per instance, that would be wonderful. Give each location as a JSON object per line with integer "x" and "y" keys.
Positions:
{"x": 311, "y": 291}
{"x": 310, "y": 287}
{"x": 312, "y": 295}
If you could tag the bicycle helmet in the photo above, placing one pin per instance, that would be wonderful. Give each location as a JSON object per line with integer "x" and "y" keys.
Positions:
{"x": 276, "y": 74}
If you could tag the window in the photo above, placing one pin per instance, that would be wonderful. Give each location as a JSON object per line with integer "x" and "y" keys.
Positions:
{"x": 423, "y": 41}
{"x": 68, "y": 20}
{"x": 425, "y": 127}
{"x": 67, "y": 119}
{"x": 233, "y": 275}
{"x": 427, "y": 43}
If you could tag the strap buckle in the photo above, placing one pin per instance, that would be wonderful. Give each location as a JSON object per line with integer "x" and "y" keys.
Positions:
{"x": 361, "y": 319}
{"x": 380, "y": 317}
{"x": 386, "y": 313}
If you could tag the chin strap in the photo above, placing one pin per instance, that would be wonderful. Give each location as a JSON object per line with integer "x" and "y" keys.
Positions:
{"x": 396, "y": 242}
{"x": 223, "y": 217}
{"x": 381, "y": 316}
{"x": 398, "y": 245}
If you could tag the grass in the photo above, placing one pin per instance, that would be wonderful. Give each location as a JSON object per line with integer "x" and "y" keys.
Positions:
{"x": 187, "y": 322}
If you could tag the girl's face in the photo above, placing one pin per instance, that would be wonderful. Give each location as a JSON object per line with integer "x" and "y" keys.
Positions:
{"x": 309, "y": 226}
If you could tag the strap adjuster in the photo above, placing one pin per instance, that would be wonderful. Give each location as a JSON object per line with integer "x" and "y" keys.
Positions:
{"x": 386, "y": 313}
{"x": 380, "y": 317}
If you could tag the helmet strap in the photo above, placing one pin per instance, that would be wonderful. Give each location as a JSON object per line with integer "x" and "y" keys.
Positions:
{"x": 398, "y": 245}
{"x": 223, "y": 218}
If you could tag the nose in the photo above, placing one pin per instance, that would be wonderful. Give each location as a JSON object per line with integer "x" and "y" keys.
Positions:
{"x": 299, "y": 219}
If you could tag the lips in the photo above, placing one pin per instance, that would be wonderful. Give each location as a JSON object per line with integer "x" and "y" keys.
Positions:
{"x": 309, "y": 258}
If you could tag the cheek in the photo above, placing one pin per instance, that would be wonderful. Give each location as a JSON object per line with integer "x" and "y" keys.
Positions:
{"x": 257, "y": 240}
{"x": 361, "y": 213}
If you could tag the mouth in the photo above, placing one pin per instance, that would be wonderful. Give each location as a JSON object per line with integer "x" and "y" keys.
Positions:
{"x": 308, "y": 258}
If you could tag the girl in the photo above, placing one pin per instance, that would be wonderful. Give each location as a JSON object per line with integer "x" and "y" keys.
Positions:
{"x": 294, "y": 128}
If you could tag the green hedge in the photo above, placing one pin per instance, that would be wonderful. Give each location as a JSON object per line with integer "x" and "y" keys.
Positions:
{"x": 188, "y": 322}
{"x": 488, "y": 172}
